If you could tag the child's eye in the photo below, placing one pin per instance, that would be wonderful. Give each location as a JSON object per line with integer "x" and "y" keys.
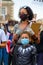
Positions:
{"x": 24, "y": 37}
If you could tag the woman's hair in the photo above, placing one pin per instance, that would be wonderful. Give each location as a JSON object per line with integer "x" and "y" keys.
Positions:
{"x": 29, "y": 11}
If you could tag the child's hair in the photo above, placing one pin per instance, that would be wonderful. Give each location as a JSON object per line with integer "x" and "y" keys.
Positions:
{"x": 25, "y": 32}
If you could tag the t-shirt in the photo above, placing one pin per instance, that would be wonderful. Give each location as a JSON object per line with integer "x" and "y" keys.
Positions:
{"x": 17, "y": 29}
{"x": 7, "y": 36}
{"x": 2, "y": 36}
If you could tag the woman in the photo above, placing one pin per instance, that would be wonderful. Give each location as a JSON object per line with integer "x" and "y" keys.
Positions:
{"x": 26, "y": 15}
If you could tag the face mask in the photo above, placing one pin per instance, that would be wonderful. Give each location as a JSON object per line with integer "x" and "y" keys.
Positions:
{"x": 25, "y": 41}
{"x": 23, "y": 17}
{"x": 2, "y": 27}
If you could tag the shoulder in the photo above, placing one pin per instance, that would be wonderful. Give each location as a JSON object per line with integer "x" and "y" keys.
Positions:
{"x": 2, "y": 31}
{"x": 33, "y": 47}
{"x": 16, "y": 25}
{"x": 8, "y": 33}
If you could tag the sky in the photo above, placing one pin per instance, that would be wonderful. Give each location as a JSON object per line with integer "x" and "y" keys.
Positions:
{"x": 37, "y": 7}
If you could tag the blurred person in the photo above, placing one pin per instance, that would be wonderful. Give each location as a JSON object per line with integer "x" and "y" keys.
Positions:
{"x": 7, "y": 34}
{"x": 40, "y": 49}
{"x": 3, "y": 47}
{"x": 24, "y": 53}
{"x": 10, "y": 27}
{"x": 11, "y": 44}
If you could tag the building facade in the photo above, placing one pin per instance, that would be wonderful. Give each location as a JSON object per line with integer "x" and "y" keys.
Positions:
{"x": 6, "y": 11}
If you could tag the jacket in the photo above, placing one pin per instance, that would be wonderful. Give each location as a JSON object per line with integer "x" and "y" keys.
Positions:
{"x": 24, "y": 55}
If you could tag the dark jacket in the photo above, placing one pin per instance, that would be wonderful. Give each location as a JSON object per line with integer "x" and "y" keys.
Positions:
{"x": 40, "y": 45}
{"x": 24, "y": 55}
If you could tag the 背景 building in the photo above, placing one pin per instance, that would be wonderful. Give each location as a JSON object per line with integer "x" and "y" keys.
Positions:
{"x": 6, "y": 10}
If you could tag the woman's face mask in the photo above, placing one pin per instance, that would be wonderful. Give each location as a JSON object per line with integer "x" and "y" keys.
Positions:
{"x": 25, "y": 41}
{"x": 23, "y": 14}
{"x": 23, "y": 17}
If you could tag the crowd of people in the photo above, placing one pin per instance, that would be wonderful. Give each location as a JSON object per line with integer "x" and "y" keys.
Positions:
{"x": 19, "y": 45}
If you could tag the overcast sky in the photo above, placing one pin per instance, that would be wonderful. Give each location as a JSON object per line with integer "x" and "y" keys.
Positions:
{"x": 37, "y": 7}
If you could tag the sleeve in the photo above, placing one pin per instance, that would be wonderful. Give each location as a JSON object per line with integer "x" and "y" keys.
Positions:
{"x": 41, "y": 28}
{"x": 3, "y": 36}
{"x": 15, "y": 28}
{"x": 33, "y": 49}
{"x": 34, "y": 55}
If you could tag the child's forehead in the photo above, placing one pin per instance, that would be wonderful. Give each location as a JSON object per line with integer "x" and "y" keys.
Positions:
{"x": 24, "y": 34}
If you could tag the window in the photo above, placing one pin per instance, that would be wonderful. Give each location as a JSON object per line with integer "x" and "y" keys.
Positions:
{"x": 4, "y": 11}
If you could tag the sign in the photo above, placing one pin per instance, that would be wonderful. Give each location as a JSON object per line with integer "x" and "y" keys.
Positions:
{"x": 39, "y": 0}
{"x": 35, "y": 27}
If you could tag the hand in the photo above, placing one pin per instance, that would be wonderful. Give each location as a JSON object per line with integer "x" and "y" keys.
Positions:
{"x": 15, "y": 38}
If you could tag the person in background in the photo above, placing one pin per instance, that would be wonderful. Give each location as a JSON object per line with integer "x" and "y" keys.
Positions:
{"x": 3, "y": 42}
{"x": 24, "y": 53}
{"x": 7, "y": 34}
{"x": 10, "y": 27}
{"x": 10, "y": 55}
{"x": 40, "y": 50}
{"x": 10, "y": 24}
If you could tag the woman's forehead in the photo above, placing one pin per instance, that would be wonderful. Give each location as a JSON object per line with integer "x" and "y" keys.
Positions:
{"x": 23, "y": 10}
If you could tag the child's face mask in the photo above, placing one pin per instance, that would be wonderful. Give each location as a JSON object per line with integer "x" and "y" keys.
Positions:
{"x": 25, "y": 41}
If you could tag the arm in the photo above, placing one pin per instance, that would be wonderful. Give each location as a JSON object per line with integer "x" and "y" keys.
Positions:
{"x": 17, "y": 33}
{"x": 34, "y": 58}
{"x": 3, "y": 39}
{"x": 3, "y": 44}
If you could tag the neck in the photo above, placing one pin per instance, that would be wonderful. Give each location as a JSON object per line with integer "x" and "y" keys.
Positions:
{"x": 25, "y": 22}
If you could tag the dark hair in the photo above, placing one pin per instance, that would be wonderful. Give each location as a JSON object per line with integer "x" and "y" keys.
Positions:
{"x": 12, "y": 22}
{"x": 41, "y": 37}
{"x": 29, "y": 11}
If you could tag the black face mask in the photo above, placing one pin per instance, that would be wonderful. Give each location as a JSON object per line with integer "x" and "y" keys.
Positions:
{"x": 24, "y": 17}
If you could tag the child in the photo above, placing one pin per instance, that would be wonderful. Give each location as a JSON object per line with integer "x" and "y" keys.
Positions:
{"x": 24, "y": 53}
